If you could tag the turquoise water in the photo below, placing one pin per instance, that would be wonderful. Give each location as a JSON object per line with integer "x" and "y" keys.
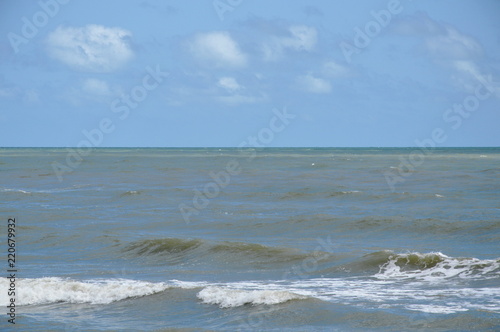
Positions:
{"x": 273, "y": 239}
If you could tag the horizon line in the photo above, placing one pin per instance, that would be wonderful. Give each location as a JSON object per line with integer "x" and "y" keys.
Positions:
{"x": 248, "y": 147}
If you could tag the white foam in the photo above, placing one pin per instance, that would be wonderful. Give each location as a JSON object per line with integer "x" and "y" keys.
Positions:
{"x": 52, "y": 290}
{"x": 372, "y": 292}
{"x": 227, "y": 297}
{"x": 447, "y": 268}
{"x": 436, "y": 309}
{"x": 395, "y": 288}
{"x": 17, "y": 191}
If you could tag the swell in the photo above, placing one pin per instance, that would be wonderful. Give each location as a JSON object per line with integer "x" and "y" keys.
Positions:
{"x": 303, "y": 193}
{"x": 177, "y": 250}
{"x": 420, "y": 225}
{"x": 383, "y": 263}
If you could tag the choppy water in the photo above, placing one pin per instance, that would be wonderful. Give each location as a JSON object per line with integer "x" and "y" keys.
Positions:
{"x": 276, "y": 239}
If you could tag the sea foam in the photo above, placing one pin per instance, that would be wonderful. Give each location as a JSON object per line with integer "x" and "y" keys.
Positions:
{"x": 437, "y": 266}
{"x": 227, "y": 297}
{"x": 53, "y": 289}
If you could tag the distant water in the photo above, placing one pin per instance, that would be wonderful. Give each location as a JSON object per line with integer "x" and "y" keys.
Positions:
{"x": 266, "y": 240}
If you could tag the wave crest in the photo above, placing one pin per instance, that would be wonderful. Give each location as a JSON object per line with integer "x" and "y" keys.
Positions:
{"x": 437, "y": 266}
{"x": 54, "y": 289}
{"x": 158, "y": 246}
{"x": 202, "y": 248}
{"x": 229, "y": 298}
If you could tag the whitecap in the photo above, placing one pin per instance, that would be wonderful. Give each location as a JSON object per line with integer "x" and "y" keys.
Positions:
{"x": 54, "y": 289}
{"x": 228, "y": 298}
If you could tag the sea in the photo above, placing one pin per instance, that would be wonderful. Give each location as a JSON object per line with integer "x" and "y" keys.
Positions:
{"x": 228, "y": 239}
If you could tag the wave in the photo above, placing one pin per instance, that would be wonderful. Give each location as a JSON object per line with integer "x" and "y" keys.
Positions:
{"x": 437, "y": 266}
{"x": 304, "y": 194}
{"x": 18, "y": 191}
{"x": 228, "y": 298}
{"x": 131, "y": 193}
{"x": 426, "y": 282}
{"x": 381, "y": 264}
{"x": 160, "y": 246}
{"x": 420, "y": 225}
{"x": 432, "y": 266}
{"x": 490, "y": 171}
{"x": 49, "y": 290}
{"x": 240, "y": 251}
{"x": 45, "y": 192}
{"x": 53, "y": 290}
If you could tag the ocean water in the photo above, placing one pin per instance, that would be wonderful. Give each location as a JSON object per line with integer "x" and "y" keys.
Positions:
{"x": 252, "y": 240}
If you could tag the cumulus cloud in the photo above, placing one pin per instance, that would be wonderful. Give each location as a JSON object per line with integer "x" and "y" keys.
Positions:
{"x": 96, "y": 87}
{"x": 303, "y": 38}
{"x": 229, "y": 83}
{"x": 92, "y": 48}
{"x": 333, "y": 69}
{"x": 312, "y": 84}
{"x": 237, "y": 94}
{"x": 300, "y": 38}
{"x": 218, "y": 49}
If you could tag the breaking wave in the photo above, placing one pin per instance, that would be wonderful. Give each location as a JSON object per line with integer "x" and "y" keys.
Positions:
{"x": 54, "y": 290}
{"x": 227, "y": 298}
{"x": 437, "y": 266}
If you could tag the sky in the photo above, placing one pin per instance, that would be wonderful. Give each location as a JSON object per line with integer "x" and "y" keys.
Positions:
{"x": 229, "y": 73}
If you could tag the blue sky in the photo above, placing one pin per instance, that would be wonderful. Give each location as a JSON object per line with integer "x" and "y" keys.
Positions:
{"x": 214, "y": 73}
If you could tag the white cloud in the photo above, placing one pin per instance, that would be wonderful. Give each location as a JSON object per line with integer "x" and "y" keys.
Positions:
{"x": 441, "y": 41}
{"x": 236, "y": 94}
{"x": 452, "y": 45}
{"x": 229, "y": 83}
{"x": 301, "y": 38}
{"x": 218, "y": 49}
{"x": 333, "y": 69}
{"x": 468, "y": 76}
{"x": 96, "y": 87}
{"x": 313, "y": 84}
{"x": 91, "y": 48}
{"x": 240, "y": 99}
{"x": 451, "y": 49}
